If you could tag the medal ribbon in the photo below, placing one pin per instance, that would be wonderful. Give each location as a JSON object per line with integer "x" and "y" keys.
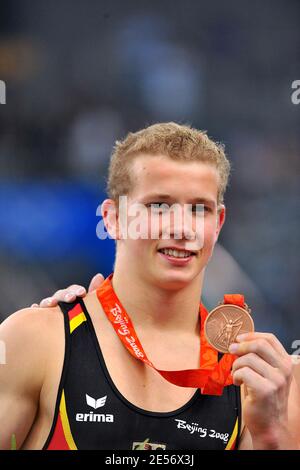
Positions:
{"x": 212, "y": 376}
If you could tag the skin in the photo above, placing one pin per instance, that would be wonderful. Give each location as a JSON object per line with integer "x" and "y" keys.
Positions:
{"x": 34, "y": 337}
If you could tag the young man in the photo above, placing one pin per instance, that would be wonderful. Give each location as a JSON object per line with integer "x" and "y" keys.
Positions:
{"x": 70, "y": 383}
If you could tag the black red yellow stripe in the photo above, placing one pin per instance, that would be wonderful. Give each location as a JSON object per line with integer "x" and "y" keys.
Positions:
{"x": 76, "y": 317}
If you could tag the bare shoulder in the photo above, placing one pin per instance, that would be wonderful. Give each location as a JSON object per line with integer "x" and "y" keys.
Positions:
{"x": 28, "y": 321}
{"x": 27, "y": 338}
{"x": 26, "y": 334}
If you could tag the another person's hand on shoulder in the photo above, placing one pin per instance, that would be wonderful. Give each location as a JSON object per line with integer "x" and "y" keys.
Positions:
{"x": 70, "y": 293}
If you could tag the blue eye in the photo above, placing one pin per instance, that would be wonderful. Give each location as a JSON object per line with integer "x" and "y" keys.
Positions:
{"x": 199, "y": 208}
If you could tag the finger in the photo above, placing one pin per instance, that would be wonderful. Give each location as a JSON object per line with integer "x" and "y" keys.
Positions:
{"x": 70, "y": 293}
{"x": 48, "y": 302}
{"x": 253, "y": 381}
{"x": 285, "y": 363}
{"x": 65, "y": 296}
{"x": 258, "y": 365}
{"x": 275, "y": 342}
{"x": 96, "y": 282}
{"x": 74, "y": 289}
{"x": 268, "y": 336}
{"x": 261, "y": 347}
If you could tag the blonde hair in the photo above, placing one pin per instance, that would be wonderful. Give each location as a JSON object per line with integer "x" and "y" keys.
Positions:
{"x": 178, "y": 142}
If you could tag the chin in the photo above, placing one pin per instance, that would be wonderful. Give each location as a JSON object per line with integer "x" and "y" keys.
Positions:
{"x": 175, "y": 281}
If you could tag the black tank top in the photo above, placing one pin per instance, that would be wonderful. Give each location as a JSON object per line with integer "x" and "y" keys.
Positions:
{"x": 91, "y": 413}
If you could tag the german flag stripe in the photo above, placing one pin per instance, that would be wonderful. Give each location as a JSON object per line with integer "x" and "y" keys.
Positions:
{"x": 76, "y": 317}
{"x": 75, "y": 311}
{"x": 62, "y": 438}
{"x": 76, "y": 321}
{"x": 65, "y": 423}
{"x": 58, "y": 441}
{"x": 232, "y": 440}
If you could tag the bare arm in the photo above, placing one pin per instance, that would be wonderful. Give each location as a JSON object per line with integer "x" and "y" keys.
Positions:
{"x": 21, "y": 376}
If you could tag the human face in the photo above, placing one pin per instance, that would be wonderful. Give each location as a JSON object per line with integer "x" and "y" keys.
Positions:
{"x": 159, "y": 179}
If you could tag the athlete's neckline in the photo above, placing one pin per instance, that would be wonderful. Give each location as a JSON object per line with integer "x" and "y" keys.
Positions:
{"x": 114, "y": 388}
{"x": 124, "y": 328}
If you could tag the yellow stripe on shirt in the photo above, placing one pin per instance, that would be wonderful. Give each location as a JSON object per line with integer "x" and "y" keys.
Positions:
{"x": 233, "y": 435}
{"x": 65, "y": 423}
{"x": 76, "y": 321}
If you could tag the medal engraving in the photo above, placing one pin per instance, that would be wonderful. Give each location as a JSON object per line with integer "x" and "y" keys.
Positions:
{"x": 224, "y": 323}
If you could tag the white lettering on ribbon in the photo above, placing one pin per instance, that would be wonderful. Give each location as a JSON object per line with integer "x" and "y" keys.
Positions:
{"x": 119, "y": 319}
{"x": 134, "y": 346}
{"x": 124, "y": 331}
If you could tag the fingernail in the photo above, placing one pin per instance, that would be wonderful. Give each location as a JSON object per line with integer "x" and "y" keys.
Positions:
{"x": 233, "y": 348}
{"x": 69, "y": 297}
{"x": 242, "y": 336}
{"x": 80, "y": 291}
{"x": 47, "y": 301}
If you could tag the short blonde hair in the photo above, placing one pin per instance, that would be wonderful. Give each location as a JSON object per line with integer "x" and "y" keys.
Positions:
{"x": 178, "y": 142}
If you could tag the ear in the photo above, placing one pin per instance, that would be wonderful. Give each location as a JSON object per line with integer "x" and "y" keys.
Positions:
{"x": 109, "y": 212}
{"x": 221, "y": 216}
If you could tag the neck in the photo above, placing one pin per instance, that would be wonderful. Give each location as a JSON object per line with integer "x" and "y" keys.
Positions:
{"x": 157, "y": 308}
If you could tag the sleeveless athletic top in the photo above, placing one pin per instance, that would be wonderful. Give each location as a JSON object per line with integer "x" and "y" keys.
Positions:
{"x": 91, "y": 413}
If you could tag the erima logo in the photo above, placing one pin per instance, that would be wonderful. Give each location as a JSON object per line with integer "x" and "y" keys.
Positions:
{"x": 95, "y": 403}
{"x": 92, "y": 417}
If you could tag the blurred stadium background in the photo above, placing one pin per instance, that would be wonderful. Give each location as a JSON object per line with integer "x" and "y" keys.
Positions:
{"x": 80, "y": 74}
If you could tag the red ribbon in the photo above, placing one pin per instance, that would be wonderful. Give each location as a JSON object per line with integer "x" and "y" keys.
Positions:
{"x": 212, "y": 376}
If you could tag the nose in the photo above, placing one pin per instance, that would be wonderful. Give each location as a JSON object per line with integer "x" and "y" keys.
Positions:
{"x": 180, "y": 223}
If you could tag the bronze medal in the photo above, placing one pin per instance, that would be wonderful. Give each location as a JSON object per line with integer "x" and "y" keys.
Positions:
{"x": 224, "y": 323}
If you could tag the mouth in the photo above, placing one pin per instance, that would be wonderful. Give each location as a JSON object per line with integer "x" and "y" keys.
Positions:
{"x": 177, "y": 253}
{"x": 177, "y": 257}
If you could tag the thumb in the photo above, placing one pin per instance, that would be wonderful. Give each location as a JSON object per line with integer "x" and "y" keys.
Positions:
{"x": 96, "y": 282}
